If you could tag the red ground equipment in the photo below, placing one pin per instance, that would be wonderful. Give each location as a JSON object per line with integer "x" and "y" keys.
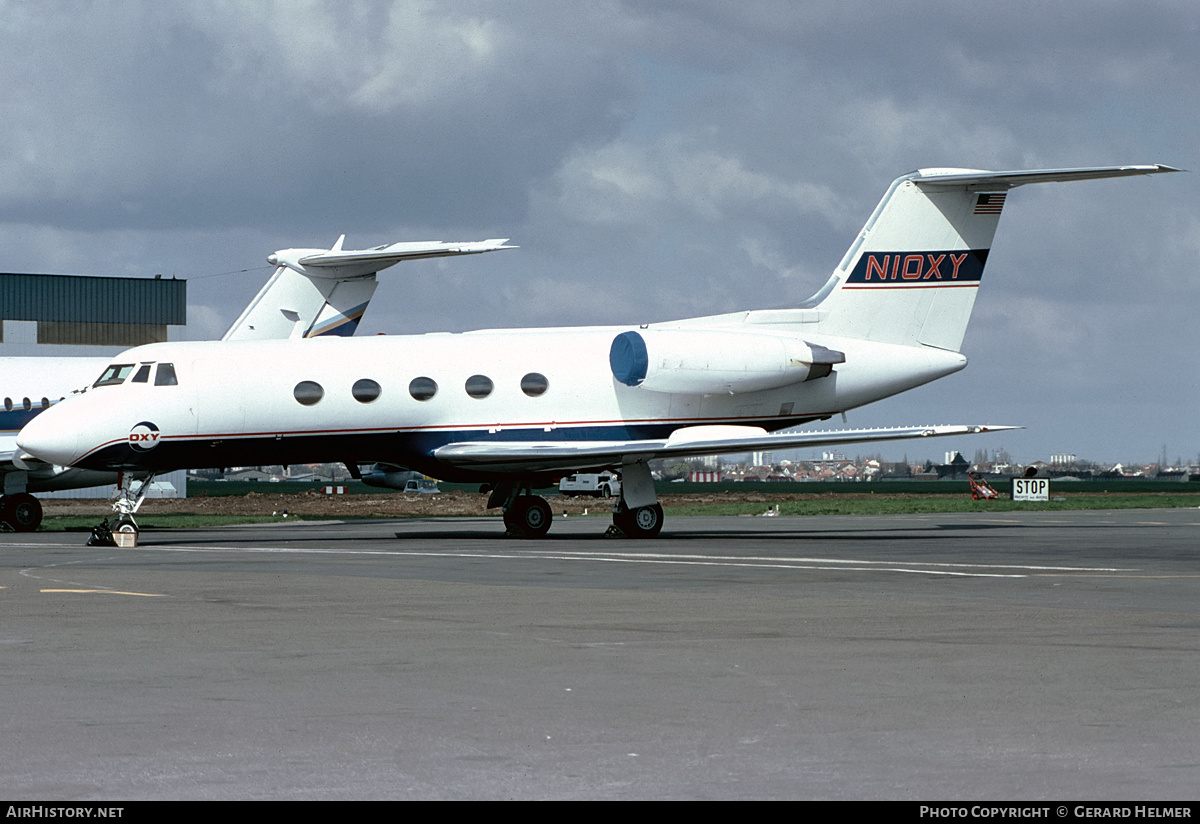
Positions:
{"x": 980, "y": 489}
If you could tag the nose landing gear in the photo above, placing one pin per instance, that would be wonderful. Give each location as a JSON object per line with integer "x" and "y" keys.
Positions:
{"x": 123, "y": 530}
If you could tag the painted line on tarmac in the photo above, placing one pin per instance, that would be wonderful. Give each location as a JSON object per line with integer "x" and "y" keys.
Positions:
{"x": 751, "y": 562}
{"x": 104, "y": 592}
{"x": 1025, "y": 567}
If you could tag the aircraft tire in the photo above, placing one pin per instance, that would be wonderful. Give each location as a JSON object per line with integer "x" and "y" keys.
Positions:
{"x": 643, "y": 522}
{"x": 124, "y": 524}
{"x": 22, "y": 512}
{"x": 530, "y": 517}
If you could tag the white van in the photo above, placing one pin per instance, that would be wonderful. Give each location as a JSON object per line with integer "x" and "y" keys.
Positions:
{"x": 605, "y": 485}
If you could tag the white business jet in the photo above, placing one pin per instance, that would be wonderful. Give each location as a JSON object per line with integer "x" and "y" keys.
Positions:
{"x": 517, "y": 409}
{"x": 312, "y": 293}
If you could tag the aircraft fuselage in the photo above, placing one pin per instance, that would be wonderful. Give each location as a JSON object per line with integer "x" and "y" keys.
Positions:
{"x": 398, "y": 398}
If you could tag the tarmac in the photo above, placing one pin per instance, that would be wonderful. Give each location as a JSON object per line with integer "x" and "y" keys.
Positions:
{"x": 1019, "y": 656}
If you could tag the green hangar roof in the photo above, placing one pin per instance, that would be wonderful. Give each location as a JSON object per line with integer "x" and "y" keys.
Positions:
{"x": 75, "y": 309}
{"x": 82, "y": 299}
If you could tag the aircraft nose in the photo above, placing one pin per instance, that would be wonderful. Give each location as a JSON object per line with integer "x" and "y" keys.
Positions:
{"x": 51, "y": 437}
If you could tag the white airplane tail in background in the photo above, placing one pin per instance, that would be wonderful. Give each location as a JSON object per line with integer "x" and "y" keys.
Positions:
{"x": 912, "y": 274}
{"x": 317, "y": 292}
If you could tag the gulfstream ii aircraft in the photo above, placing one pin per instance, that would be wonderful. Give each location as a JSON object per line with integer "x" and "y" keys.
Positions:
{"x": 516, "y": 409}
{"x": 312, "y": 293}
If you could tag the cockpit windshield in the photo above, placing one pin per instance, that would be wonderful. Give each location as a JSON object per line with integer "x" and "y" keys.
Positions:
{"x": 117, "y": 374}
{"x": 114, "y": 375}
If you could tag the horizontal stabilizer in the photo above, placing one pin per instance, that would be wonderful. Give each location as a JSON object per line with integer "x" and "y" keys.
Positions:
{"x": 339, "y": 263}
{"x": 973, "y": 178}
{"x": 541, "y": 456}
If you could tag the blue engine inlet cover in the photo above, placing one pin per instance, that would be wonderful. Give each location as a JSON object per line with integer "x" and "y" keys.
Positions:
{"x": 628, "y": 358}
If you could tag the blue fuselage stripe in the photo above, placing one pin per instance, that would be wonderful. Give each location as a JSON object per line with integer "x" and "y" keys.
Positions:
{"x": 11, "y": 422}
{"x": 402, "y": 448}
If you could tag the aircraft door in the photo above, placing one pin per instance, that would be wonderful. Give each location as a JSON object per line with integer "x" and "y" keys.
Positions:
{"x": 218, "y": 396}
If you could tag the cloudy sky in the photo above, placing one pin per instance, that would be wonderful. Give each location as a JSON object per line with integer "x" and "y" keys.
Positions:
{"x": 654, "y": 160}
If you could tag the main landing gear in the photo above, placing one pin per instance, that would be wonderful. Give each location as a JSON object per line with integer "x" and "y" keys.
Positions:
{"x": 637, "y": 513}
{"x": 643, "y": 522}
{"x": 19, "y": 512}
{"x": 528, "y": 517}
{"x": 525, "y": 515}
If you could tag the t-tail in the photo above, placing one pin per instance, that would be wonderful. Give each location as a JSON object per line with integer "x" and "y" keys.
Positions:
{"x": 316, "y": 292}
{"x": 911, "y": 276}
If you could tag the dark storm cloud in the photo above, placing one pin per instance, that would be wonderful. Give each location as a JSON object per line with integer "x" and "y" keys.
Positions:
{"x": 212, "y": 116}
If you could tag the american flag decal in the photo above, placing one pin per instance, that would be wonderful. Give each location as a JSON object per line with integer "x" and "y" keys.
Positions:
{"x": 990, "y": 204}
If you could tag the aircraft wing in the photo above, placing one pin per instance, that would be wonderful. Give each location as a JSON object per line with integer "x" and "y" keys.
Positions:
{"x": 689, "y": 442}
{"x": 13, "y": 458}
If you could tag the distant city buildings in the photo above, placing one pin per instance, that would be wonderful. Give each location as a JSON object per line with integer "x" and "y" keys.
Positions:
{"x": 835, "y": 466}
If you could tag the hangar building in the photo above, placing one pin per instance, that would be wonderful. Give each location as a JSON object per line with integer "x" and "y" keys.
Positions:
{"x": 94, "y": 311}
{"x": 94, "y": 316}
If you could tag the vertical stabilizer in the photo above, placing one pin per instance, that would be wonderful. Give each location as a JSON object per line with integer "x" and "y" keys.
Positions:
{"x": 912, "y": 275}
{"x": 292, "y": 303}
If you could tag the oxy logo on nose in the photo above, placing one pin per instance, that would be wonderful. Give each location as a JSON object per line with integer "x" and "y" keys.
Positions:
{"x": 143, "y": 437}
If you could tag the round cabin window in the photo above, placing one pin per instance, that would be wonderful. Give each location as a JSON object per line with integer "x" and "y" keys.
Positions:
{"x": 479, "y": 386}
{"x": 534, "y": 384}
{"x": 308, "y": 392}
{"x": 365, "y": 390}
{"x": 422, "y": 388}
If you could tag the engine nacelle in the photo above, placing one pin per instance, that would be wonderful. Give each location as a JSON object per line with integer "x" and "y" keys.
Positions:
{"x": 712, "y": 362}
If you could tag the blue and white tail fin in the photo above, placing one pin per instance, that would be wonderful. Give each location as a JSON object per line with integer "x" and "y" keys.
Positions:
{"x": 317, "y": 292}
{"x": 912, "y": 274}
